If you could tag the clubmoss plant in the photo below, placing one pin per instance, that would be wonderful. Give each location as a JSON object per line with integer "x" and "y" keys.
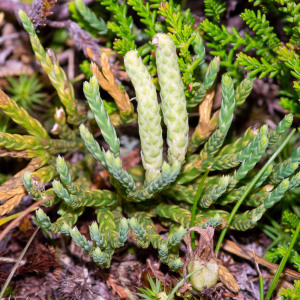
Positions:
{"x": 178, "y": 23}
{"x": 132, "y": 204}
{"x": 273, "y": 57}
{"x": 87, "y": 17}
{"x": 149, "y": 118}
{"x": 39, "y": 146}
{"x": 111, "y": 230}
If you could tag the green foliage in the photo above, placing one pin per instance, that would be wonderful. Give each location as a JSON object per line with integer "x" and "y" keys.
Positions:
{"x": 148, "y": 17}
{"x": 181, "y": 31}
{"x": 55, "y": 73}
{"x": 92, "y": 94}
{"x": 154, "y": 292}
{"x": 123, "y": 24}
{"x": 123, "y": 46}
{"x": 219, "y": 37}
{"x": 26, "y": 90}
{"x": 38, "y": 146}
{"x": 291, "y": 11}
{"x": 178, "y": 23}
{"x": 225, "y": 43}
{"x": 291, "y": 61}
{"x": 255, "y": 66}
{"x": 258, "y": 23}
{"x": 85, "y": 68}
{"x": 217, "y": 188}
{"x": 291, "y": 294}
{"x": 87, "y": 19}
{"x": 175, "y": 178}
{"x": 270, "y": 51}
{"x": 4, "y": 121}
{"x": 289, "y": 220}
{"x": 90, "y": 18}
{"x": 214, "y": 9}
{"x": 282, "y": 236}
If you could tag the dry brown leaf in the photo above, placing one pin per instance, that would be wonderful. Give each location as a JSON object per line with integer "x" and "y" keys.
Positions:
{"x": 203, "y": 251}
{"x": 12, "y": 191}
{"x": 11, "y": 153}
{"x": 227, "y": 278}
{"x": 205, "y": 110}
{"x": 154, "y": 267}
{"x": 111, "y": 282}
{"x": 1, "y": 17}
{"x": 107, "y": 81}
{"x": 11, "y": 203}
{"x": 247, "y": 254}
{"x": 204, "y": 114}
{"x": 16, "y": 221}
{"x": 39, "y": 15}
{"x": 206, "y": 124}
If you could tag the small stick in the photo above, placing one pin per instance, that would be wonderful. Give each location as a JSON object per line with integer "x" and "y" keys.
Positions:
{"x": 261, "y": 279}
{"x": 237, "y": 250}
{"x": 14, "y": 223}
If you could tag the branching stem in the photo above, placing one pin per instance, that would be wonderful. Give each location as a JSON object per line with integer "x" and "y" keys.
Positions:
{"x": 248, "y": 190}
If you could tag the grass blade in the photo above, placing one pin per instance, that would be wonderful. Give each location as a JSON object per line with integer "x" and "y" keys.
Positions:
{"x": 196, "y": 199}
{"x": 282, "y": 263}
{"x": 248, "y": 190}
{"x": 12, "y": 272}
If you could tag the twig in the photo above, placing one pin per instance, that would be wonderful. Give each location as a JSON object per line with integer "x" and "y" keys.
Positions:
{"x": 237, "y": 250}
{"x": 9, "y": 37}
{"x": 282, "y": 263}
{"x": 17, "y": 264}
{"x": 11, "y": 260}
{"x": 261, "y": 279}
{"x": 14, "y": 223}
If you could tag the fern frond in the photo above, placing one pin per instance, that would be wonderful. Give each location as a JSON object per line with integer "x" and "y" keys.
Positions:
{"x": 259, "y": 24}
{"x": 148, "y": 17}
{"x": 255, "y": 66}
{"x": 214, "y": 9}
{"x": 290, "y": 220}
{"x": 123, "y": 27}
{"x": 90, "y": 17}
